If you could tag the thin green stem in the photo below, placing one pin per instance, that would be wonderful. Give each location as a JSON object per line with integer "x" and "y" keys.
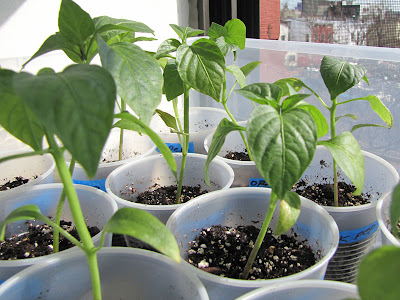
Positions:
{"x": 185, "y": 146}
{"x": 333, "y": 134}
{"x": 178, "y": 120}
{"x": 26, "y": 154}
{"x": 121, "y": 134}
{"x": 76, "y": 211}
{"x": 272, "y": 204}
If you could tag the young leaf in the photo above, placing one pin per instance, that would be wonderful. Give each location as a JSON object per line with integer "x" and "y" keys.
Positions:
{"x": 282, "y": 145}
{"x": 238, "y": 74}
{"x": 166, "y": 47}
{"x": 289, "y": 212}
{"x": 339, "y": 76}
{"x": 250, "y": 67}
{"x": 173, "y": 84}
{"x": 293, "y": 83}
{"x": 74, "y": 23}
{"x": 235, "y": 33}
{"x": 168, "y": 119}
{"x": 202, "y": 67}
{"x": 351, "y": 116}
{"x": 130, "y": 122}
{"x": 347, "y": 153}
{"x": 104, "y": 24}
{"x": 358, "y": 126}
{"x": 15, "y": 116}
{"x": 145, "y": 227}
{"x": 218, "y": 140}
{"x": 137, "y": 75}
{"x": 77, "y": 105}
{"x": 262, "y": 93}
{"x": 378, "y": 274}
{"x": 185, "y": 32}
{"x": 395, "y": 210}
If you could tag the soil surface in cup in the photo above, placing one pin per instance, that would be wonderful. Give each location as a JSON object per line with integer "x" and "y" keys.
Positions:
{"x": 322, "y": 193}
{"x": 14, "y": 183}
{"x": 38, "y": 241}
{"x": 236, "y": 155}
{"x": 166, "y": 195}
{"x": 224, "y": 251}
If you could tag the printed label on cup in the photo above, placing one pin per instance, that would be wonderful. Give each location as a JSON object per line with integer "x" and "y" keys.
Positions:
{"x": 177, "y": 148}
{"x": 356, "y": 235}
{"x": 258, "y": 182}
{"x": 98, "y": 183}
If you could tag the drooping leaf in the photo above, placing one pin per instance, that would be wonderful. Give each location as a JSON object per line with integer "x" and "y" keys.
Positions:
{"x": 289, "y": 212}
{"x": 378, "y": 274}
{"x": 395, "y": 210}
{"x": 250, "y": 67}
{"x": 351, "y": 116}
{"x": 358, "y": 126}
{"x": 74, "y": 23}
{"x": 347, "y": 153}
{"x": 282, "y": 145}
{"x": 202, "y": 66}
{"x": 262, "y": 93}
{"x": 77, "y": 105}
{"x": 185, "y": 32}
{"x": 130, "y": 122}
{"x": 168, "y": 119}
{"x": 238, "y": 74}
{"x": 137, "y": 75}
{"x": 173, "y": 84}
{"x": 15, "y": 116}
{"x": 218, "y": 140}
{"x": 166, "y": 47}
{"x": 145, "y": 227}
{"x": 339, "y": 76}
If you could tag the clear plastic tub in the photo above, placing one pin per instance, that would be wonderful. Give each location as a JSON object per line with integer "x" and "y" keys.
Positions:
{"x": 383, "y": 216}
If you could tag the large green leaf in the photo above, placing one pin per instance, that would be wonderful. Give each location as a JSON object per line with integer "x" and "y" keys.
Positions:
{"x": 130, "y": 122}
{"x": 395, "y": 210}
{"x": 289, "y": 212}
{"x": 262, "y": 93}
{"x": 202, "y": 67}
{"x": 76, "y": 104}
{"x": 74, "y": 23}
{"x": 15, "y": 116}
{"x": 218, "y": 140}
{"x": 378, "y": 274}
{"x": 339, "y": 76}
{"x": 173, "y": 84}
{"x": 145, "y": 227}
{"x": 137, "y": 75}
{"x": 282, "y": 145}
{"x": 347, "y": 154}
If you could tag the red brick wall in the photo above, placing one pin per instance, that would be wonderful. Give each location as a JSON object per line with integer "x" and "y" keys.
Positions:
{"x": 269, "y": 19}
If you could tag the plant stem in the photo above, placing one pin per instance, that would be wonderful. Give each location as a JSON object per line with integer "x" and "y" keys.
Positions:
{"x": 178, "y": 121}
{"x": 77, "y": 215}
{"x": 185, "y": 146}
{"x": 272, "y": 204}
{"x": 41, "y": 152}
{"x": 57, "y": 219}
{"x": 332, "y": 110}
{"x": 121, "y": 134}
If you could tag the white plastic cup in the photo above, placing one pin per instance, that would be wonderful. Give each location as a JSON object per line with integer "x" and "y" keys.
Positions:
{"x": 202, "y": 120}
{"x": 383, "y": 216}
{"x": 246, "y": 172}
{"x": 129, "y": 180}
{"x": 38, "y": 169}
{"x": 358, "y": 225}
{"x": 305, "y": 289}
{"x": 248, "y": 206}
{"x": 97, "y": 208}
{"x": 125, "y": 273}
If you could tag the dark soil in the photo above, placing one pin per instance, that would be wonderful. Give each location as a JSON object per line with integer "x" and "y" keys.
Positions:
{"x": 224, "y": 251}
{"x": 235, "y": 155}
{"x": 16, "y": 182}
{"x": 166, "y": 195}
{"x": 38, "y": 241}
{"x": 322, "y": 193}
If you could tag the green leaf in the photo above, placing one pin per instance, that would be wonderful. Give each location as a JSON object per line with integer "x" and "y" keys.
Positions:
{"x": 287, "y": 84}
{"x": 347, "y": 153}
{"x": 173, "y": 84}
{"x": 202, "y": 67}
{"x": 74, "y": 23}
{"x": 289, "y": 212}
{"x": 185, "y": 32}
{"x": 104, "y": 23}
{"x": 358, "y": 126}
{"x": 378, "y": 274}
{"x": 77, "y": 105}
{"x": 168, "y": 119}
{"x": 218, "y": 140}
{"x": 282, "y": 145}
{"x": 250, "y": 67}
{"x": 145, "y": 227}
{"x": 395, "y": 210}
{"x": 377, "y": 105}
{"x": 262, "y": 93}
{"x": 166, "y": 47}
{"x": 137, "y": 75}
{"x": 339, "y": 76}
{"x": 15, "y": 116}
{"x": 130, "y": 122}
{"x": 238, "y": 74}
{"x": 233, "y": 32}
{"x": 351, "y": 116}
